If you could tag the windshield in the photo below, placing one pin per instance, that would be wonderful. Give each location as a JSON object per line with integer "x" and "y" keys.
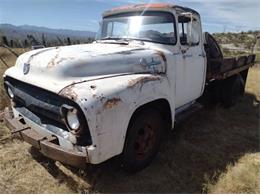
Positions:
{"x": 154, "y": 26}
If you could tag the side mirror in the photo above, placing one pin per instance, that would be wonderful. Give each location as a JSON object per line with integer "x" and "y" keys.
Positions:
{"x": 189, "y": 19}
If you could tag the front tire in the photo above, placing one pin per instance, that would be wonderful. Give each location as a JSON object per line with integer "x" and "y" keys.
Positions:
{"x": 143, "y": 140}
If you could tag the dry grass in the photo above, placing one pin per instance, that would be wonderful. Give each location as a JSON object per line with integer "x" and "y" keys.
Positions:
{"x": 243, "y": 177}
{"x": 210, "y": 149}
{"x": 21, "y": 174}
{"x": 10, "y": 59}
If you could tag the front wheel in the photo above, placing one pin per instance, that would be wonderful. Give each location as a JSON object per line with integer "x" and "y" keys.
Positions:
{"x": 143, "y": 140}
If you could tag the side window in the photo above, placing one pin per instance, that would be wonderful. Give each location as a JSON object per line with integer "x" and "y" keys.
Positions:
{"x": 189, "y": 31}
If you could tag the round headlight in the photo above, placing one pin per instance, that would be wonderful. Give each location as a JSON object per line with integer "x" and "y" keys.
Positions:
{"x": 10, "y": 92}
{"x": 72, "y": 119}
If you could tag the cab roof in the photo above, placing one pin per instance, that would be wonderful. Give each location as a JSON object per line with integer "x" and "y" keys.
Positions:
{"x": 147, "y": 7}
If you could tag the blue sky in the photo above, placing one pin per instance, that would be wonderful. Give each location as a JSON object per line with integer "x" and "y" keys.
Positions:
{"x": 217, "y": 15}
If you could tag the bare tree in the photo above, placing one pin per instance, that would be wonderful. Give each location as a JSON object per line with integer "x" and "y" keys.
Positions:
{"x": 3, "y": 40}
{"x": 43, "y": 40}
{"x": 60, "y": 41}
{"x": 68, "y": 40}
{"x": 32, "y": 40}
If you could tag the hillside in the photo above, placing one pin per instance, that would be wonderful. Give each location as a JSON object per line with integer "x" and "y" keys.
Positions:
{"x": 20, "y": 34}
{"x": 239, "y": 43}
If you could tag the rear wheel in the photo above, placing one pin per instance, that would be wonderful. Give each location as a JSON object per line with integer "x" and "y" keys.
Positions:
{"x": 143, "y": 140}
{"x": 232, "y": 91}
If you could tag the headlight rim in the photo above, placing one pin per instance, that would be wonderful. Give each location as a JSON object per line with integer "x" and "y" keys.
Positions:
{"x": 10, "y": 92}
{"x": 73, "y": 111}
{"x": 65, "y": 109}
{"x": 83, "y": 134}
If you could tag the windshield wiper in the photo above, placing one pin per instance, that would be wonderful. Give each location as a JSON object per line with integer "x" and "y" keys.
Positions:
{"x": 108, "y": 38}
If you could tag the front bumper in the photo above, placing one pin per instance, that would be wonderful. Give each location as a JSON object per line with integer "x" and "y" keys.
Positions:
{"x": 47, "y": 145}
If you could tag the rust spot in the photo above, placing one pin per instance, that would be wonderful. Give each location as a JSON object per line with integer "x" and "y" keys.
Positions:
{"x": 110, "y": 103}
{"x": 121, "y": 8}
{"x": 52, "y": 62}
{"x": 142, "y": 80}
{"x": 102, "y": 98}
{"x": 68, "y": 92}
{"x": 156, "y": 5}
{"x": 160, "y": 53}
{"x": 143, "y": 6}
{"x": 64, "y": 59}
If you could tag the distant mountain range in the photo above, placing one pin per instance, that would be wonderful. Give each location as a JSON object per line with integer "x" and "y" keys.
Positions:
{"x": 21, "y": 32}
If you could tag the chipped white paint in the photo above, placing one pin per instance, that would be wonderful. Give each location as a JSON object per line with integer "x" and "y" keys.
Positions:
{"x": 112, "y": 80}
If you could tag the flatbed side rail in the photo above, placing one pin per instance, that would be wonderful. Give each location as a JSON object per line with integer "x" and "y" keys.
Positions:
{"x": 236, "y": 66}
{"x": 230, "y": 73}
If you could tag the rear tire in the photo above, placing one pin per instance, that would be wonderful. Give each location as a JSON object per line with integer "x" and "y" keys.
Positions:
{"x": 143, "y": 140}
{"x": 231, "y": 91}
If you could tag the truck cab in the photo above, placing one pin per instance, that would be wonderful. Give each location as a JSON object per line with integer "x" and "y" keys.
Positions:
{"x": 117, "y": 96}
{"x": 175, "y": 32}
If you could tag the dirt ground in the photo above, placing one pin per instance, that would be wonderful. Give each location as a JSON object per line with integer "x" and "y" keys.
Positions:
{"x": 192, "y": 159}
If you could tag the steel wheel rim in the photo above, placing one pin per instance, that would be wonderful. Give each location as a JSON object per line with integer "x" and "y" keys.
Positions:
{"x": 144, "y": 142}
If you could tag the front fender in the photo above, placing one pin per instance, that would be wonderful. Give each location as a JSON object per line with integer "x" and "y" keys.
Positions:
{"x": 108, "y": 105}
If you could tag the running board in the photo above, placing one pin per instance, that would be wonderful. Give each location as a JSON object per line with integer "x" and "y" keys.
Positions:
{"x": 188, "y": 111}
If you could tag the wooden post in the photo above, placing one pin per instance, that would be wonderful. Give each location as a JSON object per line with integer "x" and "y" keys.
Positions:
{"x": 11, "y": 43}
{"x": 9, "y": 49}
{"x": 4, "y": 40}
{"x": 2, "y": 60}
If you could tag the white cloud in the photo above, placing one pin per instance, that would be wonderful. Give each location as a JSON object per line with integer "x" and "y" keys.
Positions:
{"x": 233, "y": 12}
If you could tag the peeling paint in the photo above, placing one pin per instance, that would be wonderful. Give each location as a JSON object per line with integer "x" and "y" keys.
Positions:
{"x": 102, "y": 98}
{"x": 64, "y": 59}
{"x": 147, "y": 5}
{"x": 68, "y": 92}
{"x": 141, "y": 80}
{"x": 162, "y": 55}
{"x": 52, "y": 62}
{"x": 110, "y": 103}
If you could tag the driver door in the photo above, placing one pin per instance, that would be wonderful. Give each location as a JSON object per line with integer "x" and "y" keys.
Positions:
{"x": 190, "y": 71}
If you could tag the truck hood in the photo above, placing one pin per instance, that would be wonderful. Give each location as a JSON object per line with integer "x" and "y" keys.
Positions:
{"x": 55, "y": 68}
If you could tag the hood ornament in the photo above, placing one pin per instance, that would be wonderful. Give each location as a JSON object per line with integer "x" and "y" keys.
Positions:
{"x": 26, "y": 68}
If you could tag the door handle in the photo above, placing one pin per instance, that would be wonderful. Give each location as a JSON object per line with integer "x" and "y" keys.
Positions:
{"x": 187, "y": 56}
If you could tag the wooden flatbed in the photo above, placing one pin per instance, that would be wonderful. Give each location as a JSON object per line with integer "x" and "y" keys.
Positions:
{"x": 218, "y": 67}
{"x": 226, "y": 77}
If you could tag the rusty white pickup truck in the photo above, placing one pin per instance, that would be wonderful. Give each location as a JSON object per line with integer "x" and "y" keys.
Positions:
{"x": 149, "y": 66}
